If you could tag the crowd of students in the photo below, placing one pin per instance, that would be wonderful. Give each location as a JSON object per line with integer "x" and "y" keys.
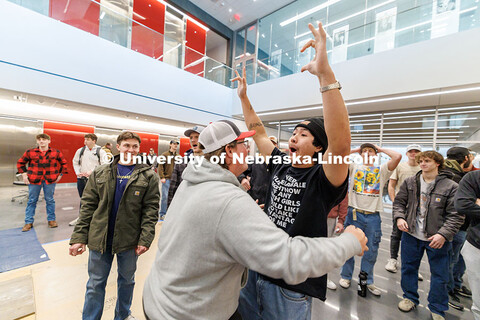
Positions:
{"x": 224, "y": 253}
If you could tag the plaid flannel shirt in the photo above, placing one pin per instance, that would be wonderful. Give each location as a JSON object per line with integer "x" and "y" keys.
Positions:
{"x": 42, "y": 167}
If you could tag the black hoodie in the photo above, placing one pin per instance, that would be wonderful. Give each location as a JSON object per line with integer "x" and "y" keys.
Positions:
{"x": 467, "y": 194}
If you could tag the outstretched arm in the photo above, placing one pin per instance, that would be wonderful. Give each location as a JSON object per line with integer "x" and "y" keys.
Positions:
{"x": 253, "y": 122}
{"x": 335, "y": 115}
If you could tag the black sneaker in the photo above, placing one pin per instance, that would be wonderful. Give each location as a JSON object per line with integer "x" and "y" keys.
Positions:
{"x": 454, "y": 301}
{"x": 464, "y": 292}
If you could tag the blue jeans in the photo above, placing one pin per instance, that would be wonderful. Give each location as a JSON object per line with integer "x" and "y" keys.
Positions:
{"x": 438, "y": 259}
{"x": 33, "y": 193}
{"x": 99, "y": 266}
{"x": 457, "y": 264}
{"x": 163, "y": 203}
{"x": 371, "y": 225}
{"x": 262, "y": 300}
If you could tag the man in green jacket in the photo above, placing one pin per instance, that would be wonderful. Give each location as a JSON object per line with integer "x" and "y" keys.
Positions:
{"x": 118, "y": 213}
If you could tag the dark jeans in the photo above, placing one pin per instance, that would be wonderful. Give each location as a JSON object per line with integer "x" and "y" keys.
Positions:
{"x": 81, "y": 183}
{"x": 457, "y": 264}
{"x": 395, "y": 238}
{"x": 438, "y": 259}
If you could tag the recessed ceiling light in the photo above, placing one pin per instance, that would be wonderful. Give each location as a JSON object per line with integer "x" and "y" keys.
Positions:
{"x": 230, "y": 10}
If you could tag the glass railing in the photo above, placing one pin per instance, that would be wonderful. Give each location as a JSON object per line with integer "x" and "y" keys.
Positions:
{"x": 113, "y": 23}
{"x": 355, "y": 29}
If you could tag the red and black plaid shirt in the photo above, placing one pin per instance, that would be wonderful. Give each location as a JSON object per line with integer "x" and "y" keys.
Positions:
{"x": 42, "y": 167}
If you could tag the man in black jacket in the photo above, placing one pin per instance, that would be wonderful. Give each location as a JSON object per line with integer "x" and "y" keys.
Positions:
{"x": 457, "y": 162}
{"x": 423, "y": 209}
{"x": 467, "y": 201}
{"x": 256, "y": 179}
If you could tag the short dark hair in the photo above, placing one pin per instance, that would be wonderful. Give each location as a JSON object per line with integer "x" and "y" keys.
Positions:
{"x": 128, "y": 135}
{"x": 92, "y": 136}
{"x": 219, "y": 152}
{"x": 42, "y": 136}
{"x": 368, "y": 145}
{"x": 431, "y": 154}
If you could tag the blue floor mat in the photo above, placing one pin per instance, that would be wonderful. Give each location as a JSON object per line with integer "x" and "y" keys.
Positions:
{"x": 19, "y": 249}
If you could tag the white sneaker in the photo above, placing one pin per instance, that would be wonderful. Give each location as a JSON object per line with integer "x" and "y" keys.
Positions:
{"x": 420, "y": 277}
{"x": 130, "y": 317}
{"x": 344, "y": 283}
{"x": 73, "y": 222}
{"x": 406, "y": 305}
{"x": 391, "y": 265}
{"x": 331, "y": 285}
{"x": 374, "y": 290}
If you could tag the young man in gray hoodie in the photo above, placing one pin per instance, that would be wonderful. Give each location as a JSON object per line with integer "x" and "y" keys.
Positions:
{"x": 215, "y": 231}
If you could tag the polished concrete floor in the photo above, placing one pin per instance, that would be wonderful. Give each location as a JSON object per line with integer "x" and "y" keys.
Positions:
{"x": 340, "y": 304}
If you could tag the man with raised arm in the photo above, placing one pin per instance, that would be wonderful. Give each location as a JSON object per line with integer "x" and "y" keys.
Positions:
{"x": 300, "y": 194}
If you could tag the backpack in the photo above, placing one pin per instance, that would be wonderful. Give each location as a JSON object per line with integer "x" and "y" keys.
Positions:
{"x": 83, "y": 150}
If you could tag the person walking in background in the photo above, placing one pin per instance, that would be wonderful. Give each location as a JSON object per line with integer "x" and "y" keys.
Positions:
{"x": 118, "y": 214}
{"x": 86, "y": 159}
{"x": 41, "y": 168}
{"x": 165, "y": 172}
{"x": 404, "y": 170}
{"x": 424, "y": 211}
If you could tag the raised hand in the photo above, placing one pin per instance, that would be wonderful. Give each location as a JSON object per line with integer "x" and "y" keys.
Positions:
{"x": 319, "y": 65}
{"x": 242, "y": 84}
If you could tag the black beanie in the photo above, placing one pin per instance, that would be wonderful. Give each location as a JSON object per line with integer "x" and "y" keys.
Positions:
{"x": 317, "y": 129}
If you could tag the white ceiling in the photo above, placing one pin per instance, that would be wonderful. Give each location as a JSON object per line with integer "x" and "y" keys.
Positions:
{"x": 248, "y": 10}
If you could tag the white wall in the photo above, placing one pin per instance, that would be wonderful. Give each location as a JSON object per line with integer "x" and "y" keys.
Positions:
{"x": 31, "y": 40}
{"x": 439, "y": 63}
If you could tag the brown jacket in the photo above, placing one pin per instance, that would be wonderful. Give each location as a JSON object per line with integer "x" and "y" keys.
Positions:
{"x": 441, "y": 216}
{"x": 165, "y": 170}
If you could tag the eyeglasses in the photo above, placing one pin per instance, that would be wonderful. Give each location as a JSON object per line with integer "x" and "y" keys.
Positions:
{"x": 244, "y": 142}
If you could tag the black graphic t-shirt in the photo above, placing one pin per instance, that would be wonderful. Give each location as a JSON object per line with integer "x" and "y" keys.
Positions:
{"x": 298, "y": 201}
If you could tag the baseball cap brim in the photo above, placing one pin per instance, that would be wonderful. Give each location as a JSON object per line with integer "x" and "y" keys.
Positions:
{"x": 246, "y": 134}
{"x": 189, "y": 132}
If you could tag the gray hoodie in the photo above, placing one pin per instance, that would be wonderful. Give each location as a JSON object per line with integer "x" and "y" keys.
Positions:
{"x": 213, "y": 231}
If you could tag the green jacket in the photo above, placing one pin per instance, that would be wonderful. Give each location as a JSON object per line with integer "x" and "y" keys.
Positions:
{"x": 137, "y": 213}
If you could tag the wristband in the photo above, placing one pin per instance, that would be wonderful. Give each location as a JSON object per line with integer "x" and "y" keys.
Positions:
{"x": 335, "y": 85}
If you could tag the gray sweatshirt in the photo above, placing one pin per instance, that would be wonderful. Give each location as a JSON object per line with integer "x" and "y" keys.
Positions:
{"x": 213, "y": 231}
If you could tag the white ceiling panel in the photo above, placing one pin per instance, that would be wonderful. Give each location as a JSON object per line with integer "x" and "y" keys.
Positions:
{"x": 247, "y": 10}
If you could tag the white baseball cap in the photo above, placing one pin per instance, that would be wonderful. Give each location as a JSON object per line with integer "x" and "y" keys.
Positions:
{"x": 414, "y": 147}
{"x": 220, "y": 133}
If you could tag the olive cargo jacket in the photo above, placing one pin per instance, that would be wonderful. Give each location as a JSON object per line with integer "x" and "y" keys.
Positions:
{"x": 137, "y": 213}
